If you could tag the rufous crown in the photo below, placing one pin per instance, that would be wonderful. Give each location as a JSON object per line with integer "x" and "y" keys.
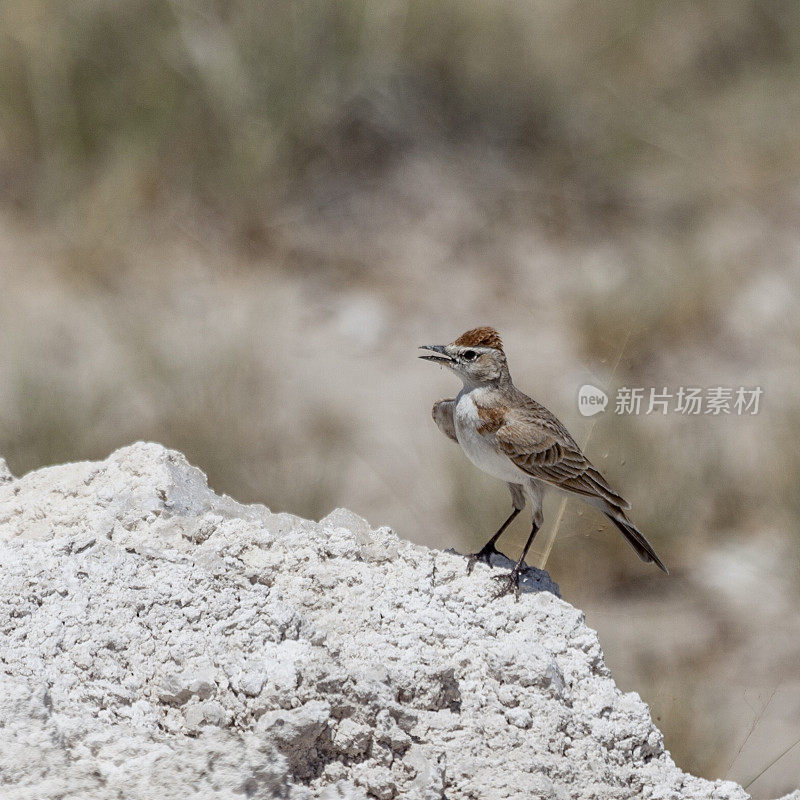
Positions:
{"x": 480, "y": 337}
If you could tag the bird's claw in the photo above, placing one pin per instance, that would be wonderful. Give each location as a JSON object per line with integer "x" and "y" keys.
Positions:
{"x": 510, "y": 583}
{"x": 484, "y": 554}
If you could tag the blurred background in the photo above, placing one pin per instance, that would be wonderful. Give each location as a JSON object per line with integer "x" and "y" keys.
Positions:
{"x": 226, "y": 226}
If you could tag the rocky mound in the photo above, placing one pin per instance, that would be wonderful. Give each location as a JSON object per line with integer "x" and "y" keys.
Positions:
{"x": 160, "y": 641}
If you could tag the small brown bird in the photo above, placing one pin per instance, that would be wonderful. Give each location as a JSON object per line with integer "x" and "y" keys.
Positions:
{"x": 512, "y": 437}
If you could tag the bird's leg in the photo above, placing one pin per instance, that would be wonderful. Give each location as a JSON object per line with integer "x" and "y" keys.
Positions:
{"x": 485, "y": 553}
{"x": 511, "y": 580}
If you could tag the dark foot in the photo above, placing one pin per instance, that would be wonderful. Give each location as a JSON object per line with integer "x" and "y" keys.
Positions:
{"x": 510, "y": 582}
{"x": 484, "y": 554}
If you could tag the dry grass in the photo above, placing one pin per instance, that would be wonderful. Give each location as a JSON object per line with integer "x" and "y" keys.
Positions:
{"x": 242, "y": 106}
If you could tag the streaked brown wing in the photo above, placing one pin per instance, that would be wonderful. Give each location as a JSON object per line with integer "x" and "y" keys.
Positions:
{"x": 540, "y": 445}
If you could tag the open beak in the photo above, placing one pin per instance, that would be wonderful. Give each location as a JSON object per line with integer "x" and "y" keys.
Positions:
{"x": 440, "y": 358}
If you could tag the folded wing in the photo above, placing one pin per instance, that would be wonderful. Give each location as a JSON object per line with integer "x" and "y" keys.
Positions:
{"x": 442, "y": 413}
{"x": 543, "y": 448}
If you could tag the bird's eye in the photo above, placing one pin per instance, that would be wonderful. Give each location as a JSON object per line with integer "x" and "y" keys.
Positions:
{"x": 469, "y": 355}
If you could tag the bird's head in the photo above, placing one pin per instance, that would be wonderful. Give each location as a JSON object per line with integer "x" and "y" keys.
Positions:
{"x": 477, "y": 356}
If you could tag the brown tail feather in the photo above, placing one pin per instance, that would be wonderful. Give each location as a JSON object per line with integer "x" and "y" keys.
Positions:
{"x": 604, "y": 490}
{"x": 641, "y": 546}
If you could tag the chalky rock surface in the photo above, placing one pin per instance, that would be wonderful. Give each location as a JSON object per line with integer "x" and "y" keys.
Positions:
{"x": 160, "y": 641}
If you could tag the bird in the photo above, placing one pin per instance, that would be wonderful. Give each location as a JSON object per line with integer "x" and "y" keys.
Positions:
{"x": 517, "y": 440}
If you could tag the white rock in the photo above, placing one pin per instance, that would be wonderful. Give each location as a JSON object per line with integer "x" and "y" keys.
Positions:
{"x": 373, "y": 546}
{"x": 352, "y": 738}
{"x": 5, "y": 472}
{"x": 164, "y": 641}
{"x": 209, "y": 712}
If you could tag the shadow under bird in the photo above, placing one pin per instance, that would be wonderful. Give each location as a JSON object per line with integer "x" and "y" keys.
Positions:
{"x": 517, "y": 440}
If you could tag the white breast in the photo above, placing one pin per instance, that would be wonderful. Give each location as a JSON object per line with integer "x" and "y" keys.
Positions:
{"x": 481, "y": 449}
